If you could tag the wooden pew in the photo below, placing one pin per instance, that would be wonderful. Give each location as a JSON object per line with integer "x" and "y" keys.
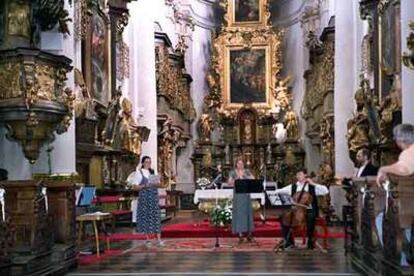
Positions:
{"x": 397, "y": 204}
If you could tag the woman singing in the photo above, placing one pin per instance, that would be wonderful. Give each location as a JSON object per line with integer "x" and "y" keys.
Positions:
{"x": 242, "y": 222}
{"x": 148, "y": 209}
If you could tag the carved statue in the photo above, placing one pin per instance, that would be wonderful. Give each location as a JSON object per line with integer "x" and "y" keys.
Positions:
{"x": 130, "y": 138}
{"x": 390, "y": 104}
{"x": 358, "y": 133}
{"x": 281, "y": 94}
{"x": 247, "y": 130}
{"x": 168, "y": 138}
{"x": 84, "y": 104}
{"x": 205, "y": 126}
{"x": 326, "y": 173}
{"x": 327, "y": 139}
{"x": 291, "y": 122}
{"x": 112, "y": 121}
{"x": 19, "y": 19}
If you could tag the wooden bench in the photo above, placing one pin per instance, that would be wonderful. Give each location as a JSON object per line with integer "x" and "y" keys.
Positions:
{"x": 397, "y": 206}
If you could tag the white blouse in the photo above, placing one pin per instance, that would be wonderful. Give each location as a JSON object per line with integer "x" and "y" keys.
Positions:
{"x": 135, "y": 178}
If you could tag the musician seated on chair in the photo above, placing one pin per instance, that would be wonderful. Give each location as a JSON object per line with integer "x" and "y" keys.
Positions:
{"x": 303, "y": 185}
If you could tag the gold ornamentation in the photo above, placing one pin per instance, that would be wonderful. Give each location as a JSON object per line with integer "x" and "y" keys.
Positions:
{"x": 408, "y": 58}
{"x": 10, "y": 81}
{"x": 258, "y": 20}
{"x": 46, "y": 80}
{"x": 173, "y": 85}
{"x": 247, "y": 38}
{"x": 83, "y": 13}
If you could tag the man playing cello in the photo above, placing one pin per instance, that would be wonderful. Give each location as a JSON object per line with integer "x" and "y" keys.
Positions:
{"x": 304, "y": 208}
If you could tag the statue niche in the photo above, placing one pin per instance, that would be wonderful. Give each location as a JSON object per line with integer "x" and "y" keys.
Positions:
{"x": 247, "y": 121}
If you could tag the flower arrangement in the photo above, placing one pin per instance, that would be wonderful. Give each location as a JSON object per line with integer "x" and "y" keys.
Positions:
{"x": 222, "y": 213}
{"x": 202, "y": 182}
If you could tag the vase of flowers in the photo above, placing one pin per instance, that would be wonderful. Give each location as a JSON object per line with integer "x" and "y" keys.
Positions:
{"x": 222, "y": 214}
{"x": 202, "y": 183}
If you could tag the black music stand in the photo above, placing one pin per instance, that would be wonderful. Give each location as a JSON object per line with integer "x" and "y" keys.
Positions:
{"x": 248, "y": 186}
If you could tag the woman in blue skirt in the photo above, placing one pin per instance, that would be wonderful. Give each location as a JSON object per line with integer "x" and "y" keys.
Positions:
{"x": 148, "y": 208}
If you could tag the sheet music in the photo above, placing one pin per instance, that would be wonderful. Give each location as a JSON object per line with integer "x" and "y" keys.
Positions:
{"x": 154, "y": 179}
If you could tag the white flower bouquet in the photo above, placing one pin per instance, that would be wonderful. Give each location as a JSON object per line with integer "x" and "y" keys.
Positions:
{"x": 222, "y": 213}
{"x": 202, "y": 182}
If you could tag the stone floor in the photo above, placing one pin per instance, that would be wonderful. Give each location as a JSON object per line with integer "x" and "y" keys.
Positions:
{"x": 293, "y": 262}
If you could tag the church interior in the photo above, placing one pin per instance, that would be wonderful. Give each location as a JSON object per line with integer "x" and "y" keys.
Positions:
{"x": 206, "y": 137}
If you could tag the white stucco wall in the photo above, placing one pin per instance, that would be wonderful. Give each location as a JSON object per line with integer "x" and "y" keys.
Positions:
{"x": 407, "y": 75}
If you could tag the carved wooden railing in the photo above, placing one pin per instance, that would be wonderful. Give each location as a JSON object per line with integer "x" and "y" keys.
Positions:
{"x": 43, "y": 227}
{"x": 396, "y": 203}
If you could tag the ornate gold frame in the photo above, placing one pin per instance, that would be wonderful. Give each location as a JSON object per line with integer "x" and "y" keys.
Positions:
{"x": 248, "y": 38}
{"x": 98, "y": 10}
{"x": 227, "y": 81}
{"x": 383, "y": 71}
{"x": 231, "y": 13}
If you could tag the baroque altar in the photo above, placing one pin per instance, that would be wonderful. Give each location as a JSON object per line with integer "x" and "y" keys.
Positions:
{"x": 248, "y": 112}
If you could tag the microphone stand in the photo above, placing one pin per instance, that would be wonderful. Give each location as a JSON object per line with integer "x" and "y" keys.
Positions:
{"x": 214, "y": 182}
{"x": 264, "y": 194}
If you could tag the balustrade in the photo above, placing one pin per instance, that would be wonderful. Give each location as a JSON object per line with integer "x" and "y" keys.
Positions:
{"x": 381, "y": 219}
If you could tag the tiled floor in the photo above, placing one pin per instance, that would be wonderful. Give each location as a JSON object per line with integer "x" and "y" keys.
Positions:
{"x": 294, "y": 262}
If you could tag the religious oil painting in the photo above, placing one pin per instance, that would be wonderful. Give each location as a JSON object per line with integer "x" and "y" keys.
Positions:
{"x": 248, "y": 76}
{"x": 390, "y": 47}
{"x": 246, "y": 10}
{"x": 99, "y": 59}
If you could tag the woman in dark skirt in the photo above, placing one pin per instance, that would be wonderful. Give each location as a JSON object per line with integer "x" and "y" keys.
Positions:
{"x": 148, "y": 208}
{"x": 242, "y": 214}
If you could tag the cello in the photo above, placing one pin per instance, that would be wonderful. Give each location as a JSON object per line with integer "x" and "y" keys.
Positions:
{"x": 296, "y": 217}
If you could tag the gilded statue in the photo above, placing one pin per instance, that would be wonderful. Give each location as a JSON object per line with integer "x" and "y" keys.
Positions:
{"x": 291, "y": 122}
{"x": 326, "y": 173}
{"x": 167, "y": 136}
{"x": 84, "y": 104}
{"x": 205, "y": 125}
{"x": 358, "y": 127}
{"x": 130, "y": 138}
{"x": 326, "y": 136}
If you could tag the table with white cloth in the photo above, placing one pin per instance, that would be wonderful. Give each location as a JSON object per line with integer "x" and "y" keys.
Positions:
{"x": 206, "y": 199}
